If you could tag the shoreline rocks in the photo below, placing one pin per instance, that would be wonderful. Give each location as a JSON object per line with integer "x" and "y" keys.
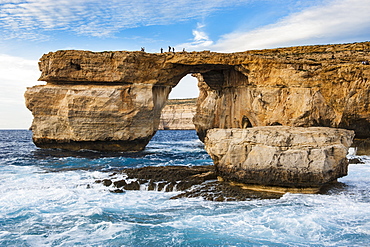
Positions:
{"x": 190, "y": 182}
{"x": 293, "y": 157}
{"x": 195, "y": 181}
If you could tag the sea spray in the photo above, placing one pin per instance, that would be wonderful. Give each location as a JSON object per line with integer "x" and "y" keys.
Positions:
{"x": 50, "y": 198}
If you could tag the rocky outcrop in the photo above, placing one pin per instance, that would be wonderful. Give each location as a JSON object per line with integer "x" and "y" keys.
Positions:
{"x": 112, "y": 100}
{"x": 196, "y": 181}
{"x": 178, "y": 114}
{"x": 280, "y": 156}
{"x": 96, "y": 117}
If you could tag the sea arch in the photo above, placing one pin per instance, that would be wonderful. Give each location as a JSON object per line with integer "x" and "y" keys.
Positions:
{"x": 112, "y": 100}
{"x": 216, "y": 83}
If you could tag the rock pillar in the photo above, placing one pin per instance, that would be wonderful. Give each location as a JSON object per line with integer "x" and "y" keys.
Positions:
{"x": 106, "y": 118}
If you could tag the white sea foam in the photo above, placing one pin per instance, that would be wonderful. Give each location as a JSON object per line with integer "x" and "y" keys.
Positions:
{"x": 43, "y": 205}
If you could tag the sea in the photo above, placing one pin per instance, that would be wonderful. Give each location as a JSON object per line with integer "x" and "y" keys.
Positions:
{"x": 50, "y": 198}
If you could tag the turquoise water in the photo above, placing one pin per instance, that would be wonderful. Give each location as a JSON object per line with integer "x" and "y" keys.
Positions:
{"x": 49, "y": 198}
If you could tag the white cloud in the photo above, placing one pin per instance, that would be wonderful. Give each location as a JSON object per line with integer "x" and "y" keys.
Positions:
{"x": 15, "y": 75}
{"x": 29, "y": 18}
{"x": 200, "y": 39}
{"x": 335, "y": 21}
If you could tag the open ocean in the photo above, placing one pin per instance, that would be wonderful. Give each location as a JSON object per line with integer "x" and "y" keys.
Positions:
{"x": 49, "y": 198}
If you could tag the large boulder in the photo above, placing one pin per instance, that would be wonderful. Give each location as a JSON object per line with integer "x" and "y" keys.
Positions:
{"x": 280, "y": 156}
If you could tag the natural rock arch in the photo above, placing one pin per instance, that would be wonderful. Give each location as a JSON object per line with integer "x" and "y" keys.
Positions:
{"x": 112, "y": 100}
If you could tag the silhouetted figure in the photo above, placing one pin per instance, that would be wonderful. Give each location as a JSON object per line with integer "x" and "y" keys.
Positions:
{"x": 173, "y": 49}
{"x": 143, "y": 49}
{"x": 169, "y": 48}
{"x": 161, "y": 50}
{"x": 183, "y": 49}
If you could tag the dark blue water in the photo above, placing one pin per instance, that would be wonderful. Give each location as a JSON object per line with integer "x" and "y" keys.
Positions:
{"x": 49, "y": 198}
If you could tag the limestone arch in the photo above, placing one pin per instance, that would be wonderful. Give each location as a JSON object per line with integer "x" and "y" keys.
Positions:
{"x": 217, "y": 84}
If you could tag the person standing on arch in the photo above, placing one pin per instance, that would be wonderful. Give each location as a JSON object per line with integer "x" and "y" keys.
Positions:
{"x": 169, "y": 48}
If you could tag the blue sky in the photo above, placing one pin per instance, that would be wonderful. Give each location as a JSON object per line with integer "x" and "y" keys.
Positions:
{"x": 30, "y": 28}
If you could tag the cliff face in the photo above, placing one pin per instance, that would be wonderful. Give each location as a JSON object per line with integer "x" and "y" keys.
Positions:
{"x": 114, "y": 118}
{"x": 111, "y": 100}
{"x": 178, "y": 114}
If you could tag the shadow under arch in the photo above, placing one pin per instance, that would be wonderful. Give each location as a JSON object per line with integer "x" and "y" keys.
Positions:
{"x": 218, "y": 87}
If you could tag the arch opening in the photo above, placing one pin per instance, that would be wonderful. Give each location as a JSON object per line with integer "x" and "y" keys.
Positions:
{"x": 180, "y": 107}
{"x": 215, "y": 99}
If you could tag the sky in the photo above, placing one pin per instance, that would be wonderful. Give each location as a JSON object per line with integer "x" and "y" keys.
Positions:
{"x": 31, "y": 28}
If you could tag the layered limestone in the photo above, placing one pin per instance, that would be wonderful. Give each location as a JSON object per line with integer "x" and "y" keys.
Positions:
{"x": 97, "y": 117}
{"x": 178, "y": 114}
{"x": 297, "y": 86}
{"x": 280, "y": 156}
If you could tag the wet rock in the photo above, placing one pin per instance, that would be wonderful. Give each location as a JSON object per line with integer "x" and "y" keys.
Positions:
{"x": 184, "y": 185}
{"x": 117, "y": 191}
{"x": 169, "y": 187}
{"x": 161, "y": 185}
{"x": 119, "y": 183}
{"x": 172, "y": 173}
{"x": 201, "y": 182}
{"x": 132, "y": 186}
{"x": 223, "y": 191}
{"x": 355, "y": 161}
{"x": 105, "y": 182}
{"x": 151, "y": 185}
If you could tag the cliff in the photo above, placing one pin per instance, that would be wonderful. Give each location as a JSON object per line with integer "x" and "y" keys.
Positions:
{"x": 113, "y": 100}
{"x": 178, "y": 114}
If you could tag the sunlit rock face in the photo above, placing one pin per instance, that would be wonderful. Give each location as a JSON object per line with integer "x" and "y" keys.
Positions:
{"x": 280, "y": 156}
{"x": 96, "y": 117}
{"x": 298, "y": 86}
{"x": 178, "y": 114}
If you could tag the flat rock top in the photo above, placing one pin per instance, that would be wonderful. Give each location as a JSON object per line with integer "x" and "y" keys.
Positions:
{"x": 72, "y": 66}
{"x": 283, "y": 136}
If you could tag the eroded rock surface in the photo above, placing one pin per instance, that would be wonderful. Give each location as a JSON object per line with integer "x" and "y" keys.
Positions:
{"x": 280, "y": 156}
{"x": 96, "y": 117}
{"x": 178, "y": 114}
{"x": 91, "y": 98}
{"x": 196, "y": 181}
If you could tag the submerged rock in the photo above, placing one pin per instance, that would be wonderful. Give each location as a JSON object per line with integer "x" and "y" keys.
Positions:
{"x": 293, "y": 157}
{"x": 164, "y": 178}
{"x": 196, "y": 181}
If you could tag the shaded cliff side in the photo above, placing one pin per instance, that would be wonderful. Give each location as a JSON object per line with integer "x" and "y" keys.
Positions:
{"x": 178, "y": 114}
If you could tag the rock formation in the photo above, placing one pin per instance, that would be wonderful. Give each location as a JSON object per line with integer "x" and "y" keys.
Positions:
{"x": 280, "y": 156}
{"x": 195, "y": 181}
{"x": 97, "y": 117}
{"x": 112, "y": 100}
{"x": 178, "y": 114}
